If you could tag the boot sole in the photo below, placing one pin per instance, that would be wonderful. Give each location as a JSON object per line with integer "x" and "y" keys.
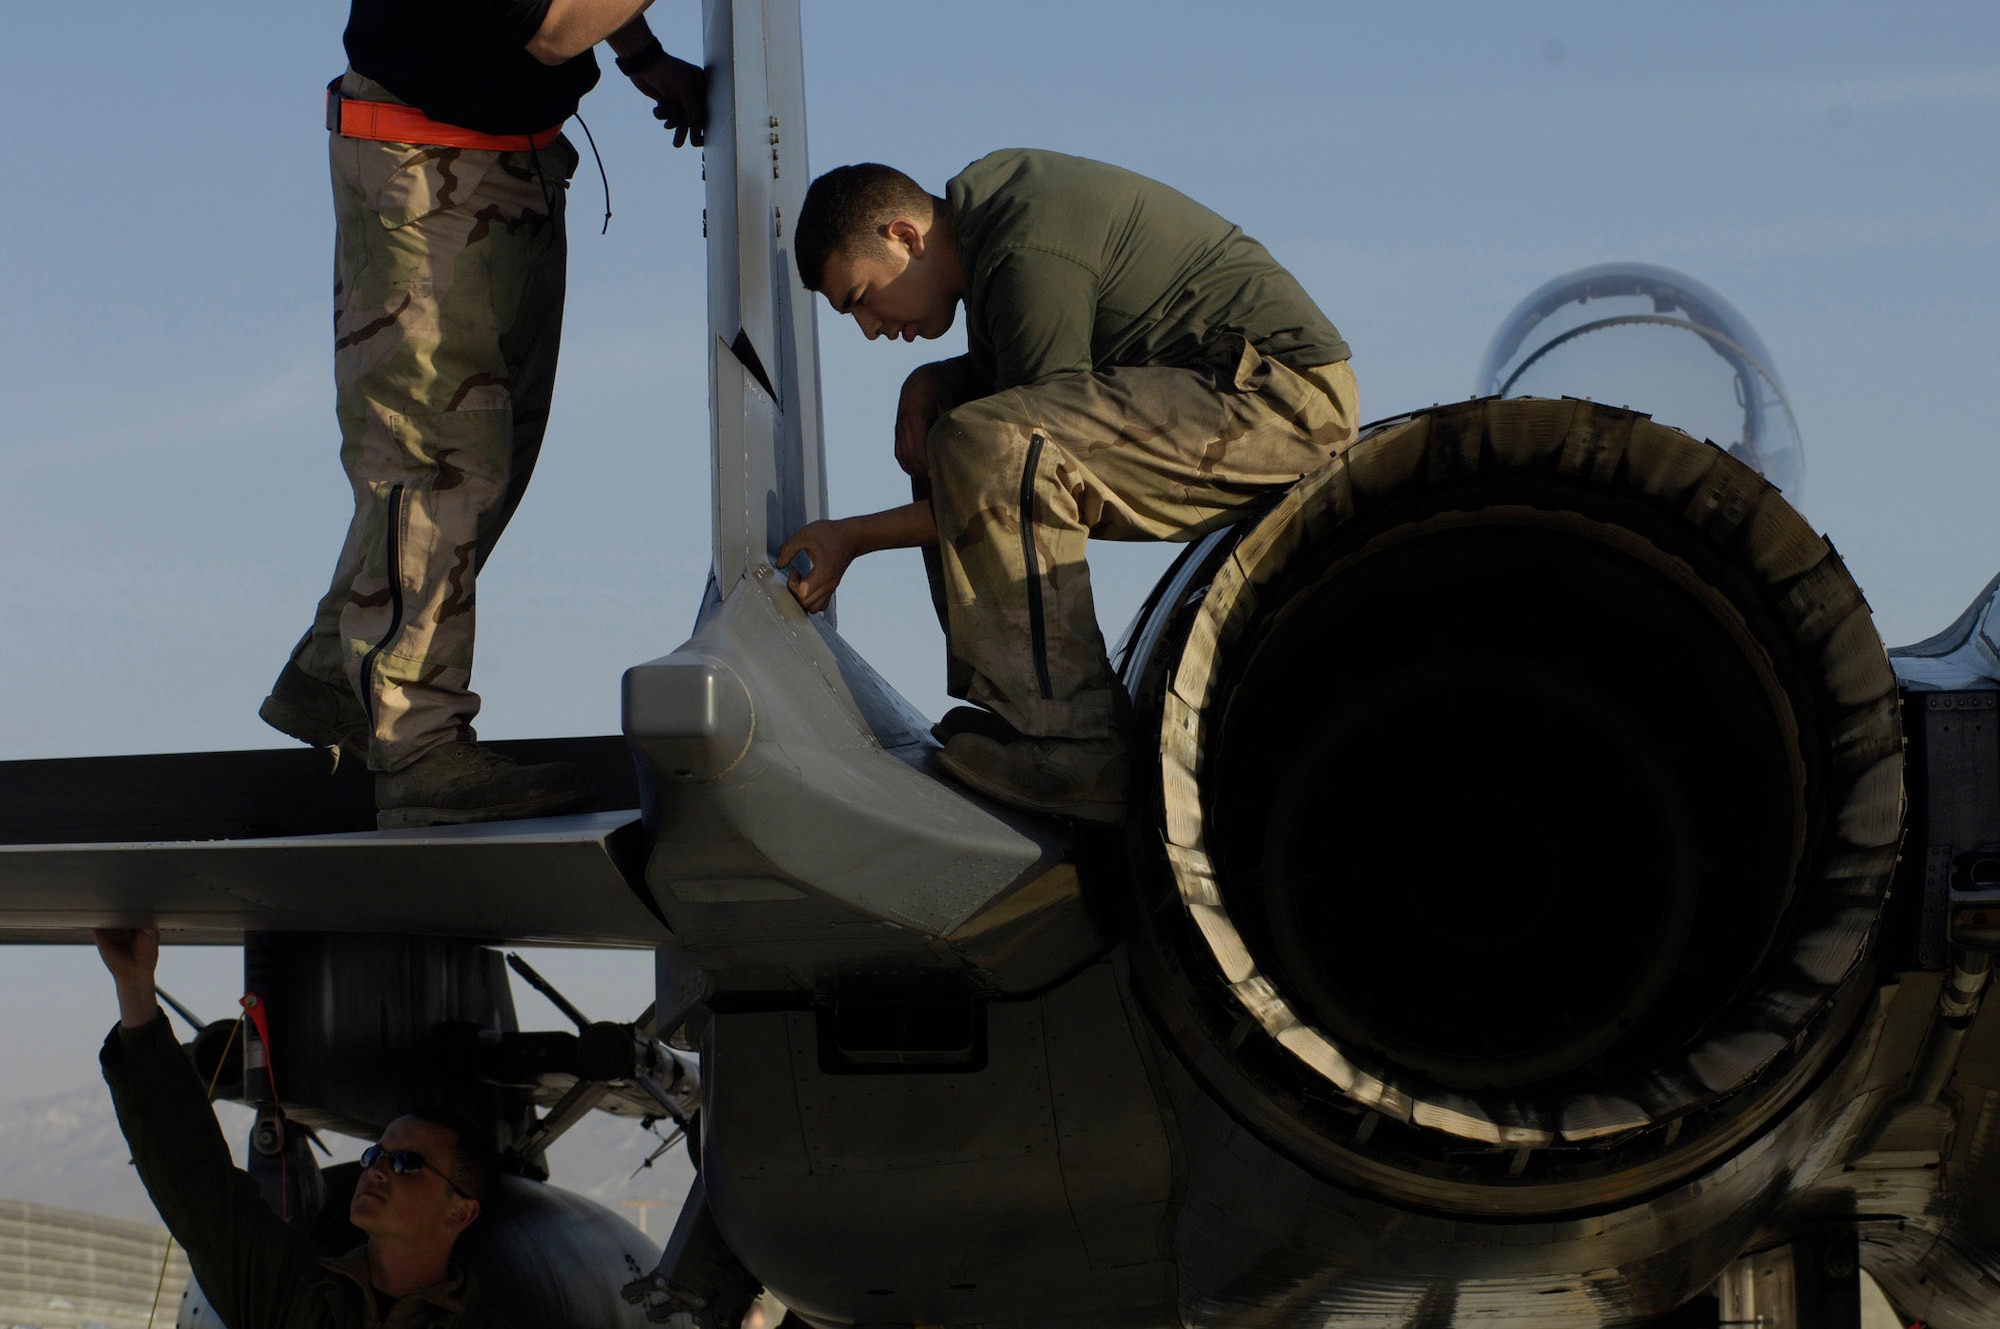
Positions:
{"x": 970, "y": 720}
{"x": 312, "y": 733}
{"x": 1098, "y": 814}
{"x": 405, "y": 819}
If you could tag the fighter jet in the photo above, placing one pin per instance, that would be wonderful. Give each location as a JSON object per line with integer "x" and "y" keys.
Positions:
{"x": 1544, "y": 901}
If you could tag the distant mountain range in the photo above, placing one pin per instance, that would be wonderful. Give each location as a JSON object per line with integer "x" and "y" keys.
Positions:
{"x": 64, "y": 1149}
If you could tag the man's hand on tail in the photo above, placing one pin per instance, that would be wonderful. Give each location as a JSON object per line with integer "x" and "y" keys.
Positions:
{"x": 680, "y": 96}
{"x": 829, "y": 546}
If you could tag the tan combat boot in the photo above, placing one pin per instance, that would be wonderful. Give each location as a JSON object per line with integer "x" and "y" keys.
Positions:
{"x": 460, "y": 781}
{"x": 321, "y": 714}
{"x": 1081, "y": 778}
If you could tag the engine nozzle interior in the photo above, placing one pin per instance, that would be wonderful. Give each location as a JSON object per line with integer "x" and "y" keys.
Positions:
{"x": 1542, "y": 814}
{"x": 1530, "y": 778}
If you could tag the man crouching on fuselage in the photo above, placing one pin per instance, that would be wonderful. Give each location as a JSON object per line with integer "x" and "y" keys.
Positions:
{"x": 1137, "y": 368}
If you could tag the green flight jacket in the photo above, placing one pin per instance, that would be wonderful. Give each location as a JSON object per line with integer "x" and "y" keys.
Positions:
{"x": 1072, "y": 265}
{"x": 257, "y": 1272}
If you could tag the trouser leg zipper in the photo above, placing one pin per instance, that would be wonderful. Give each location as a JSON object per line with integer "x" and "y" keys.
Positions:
{"x": 395, "y": 568}
{"x": 1038, "y": 636}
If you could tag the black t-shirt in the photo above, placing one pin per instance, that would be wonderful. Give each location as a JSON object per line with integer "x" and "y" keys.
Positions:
{"x": 465, "y": 62}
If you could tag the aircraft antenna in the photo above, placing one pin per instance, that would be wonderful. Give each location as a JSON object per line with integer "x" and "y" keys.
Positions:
{"x": 547, "y": 989}
{"x": 194, "y": 1022}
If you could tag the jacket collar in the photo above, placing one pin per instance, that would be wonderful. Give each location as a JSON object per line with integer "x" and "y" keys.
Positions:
{"x": 450, "y": 1297}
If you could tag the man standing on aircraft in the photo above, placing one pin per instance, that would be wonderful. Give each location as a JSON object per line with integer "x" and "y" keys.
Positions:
{"x": 449, "y": 173}
{"x": 1137, "y": 368}
{"x": 419, "y": 1188}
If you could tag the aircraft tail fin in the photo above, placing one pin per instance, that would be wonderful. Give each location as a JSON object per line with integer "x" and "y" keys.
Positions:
{"x": 768, "y": 459}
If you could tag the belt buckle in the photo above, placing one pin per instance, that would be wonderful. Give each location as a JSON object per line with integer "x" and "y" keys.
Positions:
{"x": 333, "y": 101}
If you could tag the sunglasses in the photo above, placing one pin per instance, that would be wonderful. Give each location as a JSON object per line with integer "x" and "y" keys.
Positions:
{"x": 402, "y": 1162}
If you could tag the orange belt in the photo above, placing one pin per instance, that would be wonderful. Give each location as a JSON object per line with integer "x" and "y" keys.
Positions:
{"x": 388, "y": 122}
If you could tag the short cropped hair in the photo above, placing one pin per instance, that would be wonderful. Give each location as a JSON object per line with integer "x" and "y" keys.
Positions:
{"x": 844, "y": 208}
{"x": 478, "y": 1162}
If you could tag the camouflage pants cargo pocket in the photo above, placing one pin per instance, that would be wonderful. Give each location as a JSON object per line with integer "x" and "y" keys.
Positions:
{"x": 1021, "y": 480}
{"x": 448, "y": 292}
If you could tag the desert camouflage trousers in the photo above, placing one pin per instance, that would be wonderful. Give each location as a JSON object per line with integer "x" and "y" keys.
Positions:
{"x": 448, "y": 297}
{"x": 1021, "y": 480}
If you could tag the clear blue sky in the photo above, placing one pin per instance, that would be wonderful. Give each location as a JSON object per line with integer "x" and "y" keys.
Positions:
{"x": 170, "y": 498}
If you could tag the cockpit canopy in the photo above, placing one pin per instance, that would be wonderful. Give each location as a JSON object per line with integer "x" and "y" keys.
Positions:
{"x": 1632, "y": 334}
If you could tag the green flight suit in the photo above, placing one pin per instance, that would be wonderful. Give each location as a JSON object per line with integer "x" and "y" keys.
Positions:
{"x": 257, "y": 1272}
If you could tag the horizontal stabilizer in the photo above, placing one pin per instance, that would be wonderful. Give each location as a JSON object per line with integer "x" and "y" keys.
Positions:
{"x": 1965, "y": 657}
{"x": 209, "y": 845}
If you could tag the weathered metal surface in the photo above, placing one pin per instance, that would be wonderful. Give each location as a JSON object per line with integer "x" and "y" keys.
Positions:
{"x": 1965, "y": 655}
{"x": 769, "y": 469}
{"x": 817, "y": 844}
{"x": 554, "y": 881}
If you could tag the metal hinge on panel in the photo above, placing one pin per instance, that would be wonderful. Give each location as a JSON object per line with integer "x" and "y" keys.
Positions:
{"x": 1962, "y": 778}
{"x": 1933, "y": 918}
{"x": 1975, "y": 898}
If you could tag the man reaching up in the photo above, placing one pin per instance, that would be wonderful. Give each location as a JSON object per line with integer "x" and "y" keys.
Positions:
{"x": 1137, "y": 368}
{"x": 420, "y": 1187}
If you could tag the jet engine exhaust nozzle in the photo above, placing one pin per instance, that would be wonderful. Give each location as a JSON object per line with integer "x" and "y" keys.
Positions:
{"x": 1531, "y": 779}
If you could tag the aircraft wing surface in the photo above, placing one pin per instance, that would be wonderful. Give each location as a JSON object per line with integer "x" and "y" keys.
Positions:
{"x": 211, "y": 845}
